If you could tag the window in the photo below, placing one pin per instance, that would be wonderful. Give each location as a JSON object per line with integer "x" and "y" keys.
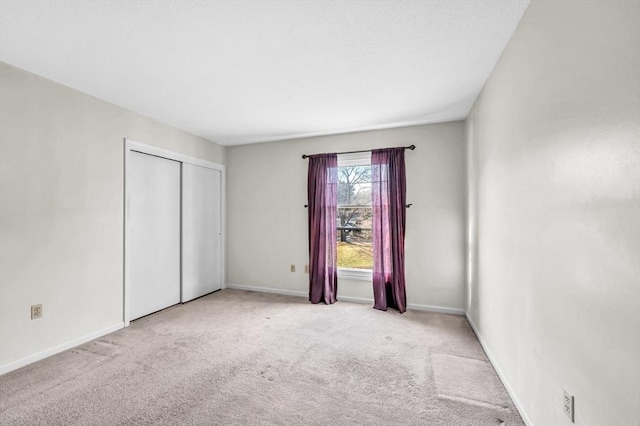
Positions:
{"x": 355, "y": 253}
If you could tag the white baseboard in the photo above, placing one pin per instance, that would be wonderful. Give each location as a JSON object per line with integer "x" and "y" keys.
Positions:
{"x": 59, "y": 348}
{"x": 492, "y": 359}
{"x": 413, "y": 306}
{"x": 439, "y": 309}
{"x": 351, "y": 299}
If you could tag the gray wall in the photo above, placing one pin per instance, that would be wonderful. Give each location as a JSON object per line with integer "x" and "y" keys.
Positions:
{"x": 267, "y": 223}
{"x": 554, "y": 212}
{"x": 61, "y": 209}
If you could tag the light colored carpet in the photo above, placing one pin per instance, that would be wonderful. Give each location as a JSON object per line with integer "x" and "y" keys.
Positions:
{"x": 242, "y": 358}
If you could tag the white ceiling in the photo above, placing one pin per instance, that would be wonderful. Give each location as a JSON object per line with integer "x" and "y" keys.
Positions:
{"x": 239, "y": 72}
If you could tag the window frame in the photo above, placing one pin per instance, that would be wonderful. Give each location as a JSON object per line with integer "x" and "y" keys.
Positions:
{"x": 355, "y": 159}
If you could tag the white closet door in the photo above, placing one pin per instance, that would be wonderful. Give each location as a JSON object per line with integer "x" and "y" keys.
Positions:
{"x": 153, "y": 227}
{"x": 201, "y": 231}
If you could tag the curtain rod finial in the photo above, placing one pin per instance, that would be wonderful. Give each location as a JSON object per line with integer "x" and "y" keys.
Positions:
{"x": 304, "y": 156}
{"x": 412, "y": 147}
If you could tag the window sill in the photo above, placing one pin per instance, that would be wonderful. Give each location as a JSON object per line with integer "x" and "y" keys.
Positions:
{"x": 355, "y": 274}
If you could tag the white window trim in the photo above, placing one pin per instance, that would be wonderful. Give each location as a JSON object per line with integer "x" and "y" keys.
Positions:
{"x": 355, "y": 274}
{"x": 355, "y": 159}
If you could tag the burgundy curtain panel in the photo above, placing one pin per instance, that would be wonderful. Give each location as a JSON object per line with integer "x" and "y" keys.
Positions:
{"x": 389, "y": 193}
{"x": 322, "y": 185}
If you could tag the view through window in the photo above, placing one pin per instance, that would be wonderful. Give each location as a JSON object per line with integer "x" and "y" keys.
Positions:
{"x": 354, "y": 216}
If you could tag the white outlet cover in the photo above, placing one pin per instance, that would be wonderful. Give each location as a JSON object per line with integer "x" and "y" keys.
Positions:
{"x": 568, "y": 404}
{"x": 36, "y": 311}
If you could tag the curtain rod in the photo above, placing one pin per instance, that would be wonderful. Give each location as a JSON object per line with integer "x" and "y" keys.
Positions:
{"x": 411, "y": 147}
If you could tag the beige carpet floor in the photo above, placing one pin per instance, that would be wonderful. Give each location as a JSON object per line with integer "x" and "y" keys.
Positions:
{"x": 243, "y": 358}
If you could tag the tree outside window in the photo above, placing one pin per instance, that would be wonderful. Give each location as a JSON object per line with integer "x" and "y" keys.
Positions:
{"x": 354, "y": 217}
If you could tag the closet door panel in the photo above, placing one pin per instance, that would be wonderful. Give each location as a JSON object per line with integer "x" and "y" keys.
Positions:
{"x": 153, "y": 228}
{"x": 201, "y": 231}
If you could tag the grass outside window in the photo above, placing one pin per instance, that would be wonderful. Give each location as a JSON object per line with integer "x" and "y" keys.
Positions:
{"x": 355, "y": 255}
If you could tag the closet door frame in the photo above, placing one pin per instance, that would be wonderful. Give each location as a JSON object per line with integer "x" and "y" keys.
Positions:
{"x": 133, "y": 146}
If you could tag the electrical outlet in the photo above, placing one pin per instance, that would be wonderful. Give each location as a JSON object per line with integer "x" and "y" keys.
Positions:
{"x": 306, "y": 269}
{"x": 567, "y": 404}
{"x": 292, "y": 268}
{"x": 36, "y": 311}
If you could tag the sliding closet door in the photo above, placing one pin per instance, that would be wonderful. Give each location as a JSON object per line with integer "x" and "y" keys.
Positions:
{"x": 201, "y": 231}
{"x": 153, "y": 233}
